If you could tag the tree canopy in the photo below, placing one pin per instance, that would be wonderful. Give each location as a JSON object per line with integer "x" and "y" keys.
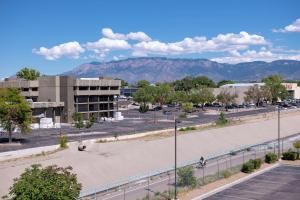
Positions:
{"x": 47, "y": 183}
{"x": 256, "y": 94}
{"x": 202, "y": 95}
{"x": 188, "y": 83}
{"x": 273, "y": 84}
{"x": 226, "y": 98}
{"x": 143, "y": 83}
{"x": 28, "y": 74}
{"x": 14, "y": 111}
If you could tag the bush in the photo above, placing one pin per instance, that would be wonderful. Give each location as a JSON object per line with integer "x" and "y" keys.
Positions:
{"x": 51, "y": 182}
{"x": 189, "y": 128}
{"x": 63, "y": 141}
{"x": 186, "y": 176}
{"x": 226, "y": 174}
{"x": 270, "y": 158}
{"x": 248, "y": 167}
{"x": 256, "y": 163}
{"x": 222, "y": 120}
{"x": 290, "y": 155}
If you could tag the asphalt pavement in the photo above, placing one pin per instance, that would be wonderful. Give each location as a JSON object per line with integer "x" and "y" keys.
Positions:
{"x": 133, "y": 123}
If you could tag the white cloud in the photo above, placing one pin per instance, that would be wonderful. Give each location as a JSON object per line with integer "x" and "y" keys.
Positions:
{"x": 251, "y": 55}
{"x": 106, "y": 45}
{"x": 223, "y": 42}
{"x": 138, "y": 36}
{"x": 69, "y": 49}
{"x": 294, "y": 27}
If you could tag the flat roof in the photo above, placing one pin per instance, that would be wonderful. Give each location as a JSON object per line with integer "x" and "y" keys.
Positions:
{"x": 280, "y": 183}
{"x": 242, "y": 84}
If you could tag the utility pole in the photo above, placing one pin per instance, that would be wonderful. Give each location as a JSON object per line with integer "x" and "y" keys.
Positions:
{"x": 175, "y": 159}
{"x": 278, "y": 131}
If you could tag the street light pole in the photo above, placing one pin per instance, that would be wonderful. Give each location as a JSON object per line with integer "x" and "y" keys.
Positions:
{"x": 175, "y": 159}
{"x": 278, "y": 131}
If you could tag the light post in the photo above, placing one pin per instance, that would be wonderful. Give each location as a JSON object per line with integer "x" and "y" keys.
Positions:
{"x": 176, "y": 121}
{"x": 278, "y": 131}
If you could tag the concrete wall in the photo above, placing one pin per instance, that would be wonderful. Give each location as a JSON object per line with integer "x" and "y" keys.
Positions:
{"x": 67, "y": 96}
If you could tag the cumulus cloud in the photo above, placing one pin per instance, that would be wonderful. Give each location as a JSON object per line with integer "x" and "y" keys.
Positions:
{"x": 223, "y": 42}
{"x": 252, "y": 55}
{"x": 106, "y": 45}
{"x": 294, "y": 27}
{"x": 139, "y": 36}
{"x": 69, "y": 49}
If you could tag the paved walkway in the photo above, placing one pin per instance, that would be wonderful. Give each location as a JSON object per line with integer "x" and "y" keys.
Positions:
{"x": 104, "y": 163}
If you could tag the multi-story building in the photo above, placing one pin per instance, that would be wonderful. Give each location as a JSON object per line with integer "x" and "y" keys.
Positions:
{"x": 59, "y": 97}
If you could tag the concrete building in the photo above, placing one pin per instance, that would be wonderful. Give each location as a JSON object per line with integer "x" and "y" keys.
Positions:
{"x": 59, "y": 97}
{"x": 241, "y": 88}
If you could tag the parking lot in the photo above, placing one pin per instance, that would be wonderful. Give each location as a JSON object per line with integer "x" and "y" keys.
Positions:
{"x": 280, "y": 183}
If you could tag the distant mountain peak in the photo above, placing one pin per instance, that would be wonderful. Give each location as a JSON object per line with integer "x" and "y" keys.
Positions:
{"x": 160, "y": 69}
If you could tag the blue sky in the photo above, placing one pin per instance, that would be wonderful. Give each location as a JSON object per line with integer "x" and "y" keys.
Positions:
{"x": 58, "y": 35}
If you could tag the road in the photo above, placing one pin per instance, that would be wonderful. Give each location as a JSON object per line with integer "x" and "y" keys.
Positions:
{"x": 131, "y": 125}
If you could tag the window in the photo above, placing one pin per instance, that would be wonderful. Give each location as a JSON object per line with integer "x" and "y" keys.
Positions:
{"x": 114, "y": 87}
{"x": 83, "y": 88}
{"x": 94, "y": 88}
{"x": 34, "y": 89}
{"x": 24, "y": 89}
{"x": 104, "y": 88}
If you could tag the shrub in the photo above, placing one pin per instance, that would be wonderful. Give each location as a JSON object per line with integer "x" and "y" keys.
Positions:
{"x": 297, "y": 145}
{"x": 51, "y": 182}
{"x": 270, "y": 158}
{"x": 186, "y": 176}
{"x": 189, "y": 128}
{"x": 222, "y": 120}
{"x": 256, "y": 163}
{"x": 226, "y": 174}
{"x": 248, "y": 167}
{"x": 290, "y": 155}
{"x": 63, "y": 141}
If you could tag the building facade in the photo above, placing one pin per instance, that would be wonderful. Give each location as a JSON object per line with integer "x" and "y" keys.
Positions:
{"x": 59, "y": 97}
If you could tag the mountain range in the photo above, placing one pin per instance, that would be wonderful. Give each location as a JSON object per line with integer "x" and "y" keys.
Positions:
{"x": 159, "y": 69}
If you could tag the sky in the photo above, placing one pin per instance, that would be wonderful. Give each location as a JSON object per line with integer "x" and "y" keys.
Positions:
{"x": 54, "y": 36}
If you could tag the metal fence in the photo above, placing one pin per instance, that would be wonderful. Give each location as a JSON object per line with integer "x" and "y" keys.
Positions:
{"x": 160, "y": 184}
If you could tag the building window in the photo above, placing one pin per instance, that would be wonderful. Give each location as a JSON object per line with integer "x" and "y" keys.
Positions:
{"x": 114, "y": 87}
{"x": 75, "y": 88}
{"x": 104, "y": 88}
{"x": 24, "y": 89}
{"x": 94, "y": 88}
{"x": 34, "y": 89}
{"x": 83, "y": 88}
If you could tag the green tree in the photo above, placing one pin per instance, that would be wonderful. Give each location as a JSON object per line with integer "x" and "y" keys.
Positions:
{"x": 188, "y": 83}
{"x": 297, "y": 145}
{"x": 78, "y": 119}
{"x": 123, "y": 83}
{"x": 178, "y": 97}
{"x": 273, "y": 84}
{"x": 15, "y": 111}
{"x": 143, "y": 84}
{"x": 226, "y": 98}
{"x": 224, "y": 82}
{"x": 28, "y": 74}
{"x": 204, "y": 81}
{"x": 256, "y": 94}
{"x": 143, "y": 96}
{"x": 202, "y": 95}
{"x": 47, "y": 183}
{"x": 187, "y": 107}
{"x": 186, "y": 176}
{"x": 161, "y": 93}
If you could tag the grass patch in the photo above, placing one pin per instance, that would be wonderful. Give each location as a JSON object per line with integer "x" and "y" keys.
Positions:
{"x": 188, "y": 128}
